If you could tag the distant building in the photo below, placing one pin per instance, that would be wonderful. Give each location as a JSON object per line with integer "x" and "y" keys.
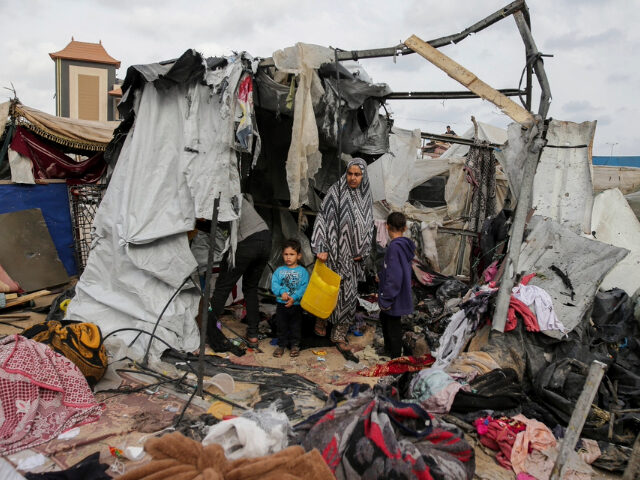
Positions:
{"x": 86, "y": 81}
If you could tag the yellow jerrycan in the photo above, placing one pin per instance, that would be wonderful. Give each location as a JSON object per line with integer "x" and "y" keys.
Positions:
{"x": 321, "y": 296}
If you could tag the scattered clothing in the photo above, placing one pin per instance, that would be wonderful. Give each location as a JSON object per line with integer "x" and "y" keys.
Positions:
{"x": 536, "y": 436}
{"x": 42, "y": 394}
{"x": 382, "y": 235}
{"x": 517, "y": 308}
{"x": 176, "y": 456}
{"x": 542, "y": 306}
{"x": 398, "y": 366}
{"x": 79, "y": 342}
{"x": 344, "y": 229}
{"x": 374, "y": 436}
{"x": 88, "y": 468}
{"x": 499, "y": 434}
{"x": 435, "y": 390}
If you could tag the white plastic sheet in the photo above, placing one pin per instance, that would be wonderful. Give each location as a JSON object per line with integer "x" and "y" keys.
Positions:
{"x": 391, "y": 176}
{"x": 614, "y": 223}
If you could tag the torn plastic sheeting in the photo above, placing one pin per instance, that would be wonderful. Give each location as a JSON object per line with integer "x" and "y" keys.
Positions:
{"x": 562, "y": 188}
{"x": 427, "y": 168}
{"x": 584, "y": 261}
{"x": 614, "y": 223}
{"x": 304, "y": 158}
{"x": 174, "y": 160}
{"x": 21, "y": 168}
{"x": 391, "y": 176}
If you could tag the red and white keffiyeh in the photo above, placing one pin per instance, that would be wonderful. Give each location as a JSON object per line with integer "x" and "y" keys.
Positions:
{"x": 42, "y": 394}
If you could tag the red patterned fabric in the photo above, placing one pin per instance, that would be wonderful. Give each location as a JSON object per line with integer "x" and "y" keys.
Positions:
{"x": 398, "y": 366}
{"x": 499, "y": 434}
{"x": 518, "y": 307}
{"x": 42, "y": 394}
{"x": 48, "y": 162}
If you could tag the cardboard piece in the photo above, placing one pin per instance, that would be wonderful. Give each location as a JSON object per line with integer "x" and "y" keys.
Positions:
{"x": 27, "y": 251}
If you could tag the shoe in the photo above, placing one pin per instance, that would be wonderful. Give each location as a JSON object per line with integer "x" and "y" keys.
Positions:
{"x": 278, "y": 352}
{"x": 295, "y": 351}
{"x": 251, "y": 342}
{"x": 346, "y": 351}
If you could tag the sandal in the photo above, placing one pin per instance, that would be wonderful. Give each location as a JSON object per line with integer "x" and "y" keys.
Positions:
{"x": 278, "y": 352}
{"x": 346, "y": 351}
{"x": 295, "y": 351}
{"x": 251, "y": 342}
{"x": 320, "y": 327}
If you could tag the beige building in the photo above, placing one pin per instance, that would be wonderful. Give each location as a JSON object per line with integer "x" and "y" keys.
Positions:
{"x": 86, "y": 86}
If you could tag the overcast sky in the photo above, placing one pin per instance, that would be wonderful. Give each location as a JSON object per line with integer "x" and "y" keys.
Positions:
{"x": 594, "y": 73}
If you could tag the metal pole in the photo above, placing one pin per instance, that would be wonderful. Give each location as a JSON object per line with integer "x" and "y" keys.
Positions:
{"x": 204, "y": 311}
{"x": 578, "y": 417}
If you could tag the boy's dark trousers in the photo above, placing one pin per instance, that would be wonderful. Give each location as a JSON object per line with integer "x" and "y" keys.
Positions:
{"x": 289, "y": 324}
{"x": 392, "y": 333}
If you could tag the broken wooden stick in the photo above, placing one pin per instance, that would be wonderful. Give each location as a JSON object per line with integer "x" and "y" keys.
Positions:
{"x": 470, "y": 81}
{"x": 578, "y": 417}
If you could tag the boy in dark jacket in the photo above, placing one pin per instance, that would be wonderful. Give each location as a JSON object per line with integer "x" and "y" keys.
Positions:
{"x": 395, "y": 298}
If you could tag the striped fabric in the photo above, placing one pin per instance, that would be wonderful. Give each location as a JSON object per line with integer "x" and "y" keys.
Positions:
{"x": 344, "y": 229}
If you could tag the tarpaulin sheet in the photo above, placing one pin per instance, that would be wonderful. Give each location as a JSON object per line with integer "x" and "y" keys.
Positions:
{"x": 562, "y": 187}
{"x": 583, "y": 261}
{"x": 391, "y": 176}
{"x": 613, "y": 222}
{"x": 177, "y": 157}
{"x": 50, "y": 163}
{"x": 53, "y": 200}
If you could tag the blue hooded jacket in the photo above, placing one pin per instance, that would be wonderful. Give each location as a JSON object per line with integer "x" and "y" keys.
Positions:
{"x": 395, "y": 295}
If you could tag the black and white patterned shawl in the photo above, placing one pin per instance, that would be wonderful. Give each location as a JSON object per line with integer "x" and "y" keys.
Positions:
{"x": 344, "y": 225}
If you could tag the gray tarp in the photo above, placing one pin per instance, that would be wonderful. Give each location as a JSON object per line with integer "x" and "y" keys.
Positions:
{"x": 176, "y": 158}
{"x": 585, "y": 262}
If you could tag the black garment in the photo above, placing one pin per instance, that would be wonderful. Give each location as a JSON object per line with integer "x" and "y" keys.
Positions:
{"x": 252, "y": 255}
{"x": 88, "y": 468}
{"x": 392, "y": 334}
{"x": 289, "y": 322}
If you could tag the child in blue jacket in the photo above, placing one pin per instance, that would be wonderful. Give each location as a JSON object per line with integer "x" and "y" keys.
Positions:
{"x": 288, "y": 284}
{"x": 395, "y": 297}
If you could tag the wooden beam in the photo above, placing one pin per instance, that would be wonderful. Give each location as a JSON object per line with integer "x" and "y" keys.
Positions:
{"x": 27, "y": 298}
{"x": 578, "y": 417}
{"x": 470, "y": 80}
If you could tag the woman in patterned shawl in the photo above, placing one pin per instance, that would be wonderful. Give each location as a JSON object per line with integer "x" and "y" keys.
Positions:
{"x": 342, "y": 236}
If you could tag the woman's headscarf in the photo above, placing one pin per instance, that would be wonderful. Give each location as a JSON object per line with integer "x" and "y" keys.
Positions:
{"x": 344, "y": 225}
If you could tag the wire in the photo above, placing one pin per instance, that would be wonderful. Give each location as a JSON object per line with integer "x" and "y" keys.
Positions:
{"x": 155, "y": 327}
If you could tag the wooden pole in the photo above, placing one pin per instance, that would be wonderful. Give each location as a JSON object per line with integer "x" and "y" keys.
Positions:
{"x": 531, "y": 149}
{"x": 578, "y": 417}
{"x": 633, "y": 466}
{"x": 470, "y": 81}
{"x": 204, "y": 312}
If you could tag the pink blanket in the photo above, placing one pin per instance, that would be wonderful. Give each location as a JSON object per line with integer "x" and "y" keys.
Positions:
{"x": 42, "y": 394}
